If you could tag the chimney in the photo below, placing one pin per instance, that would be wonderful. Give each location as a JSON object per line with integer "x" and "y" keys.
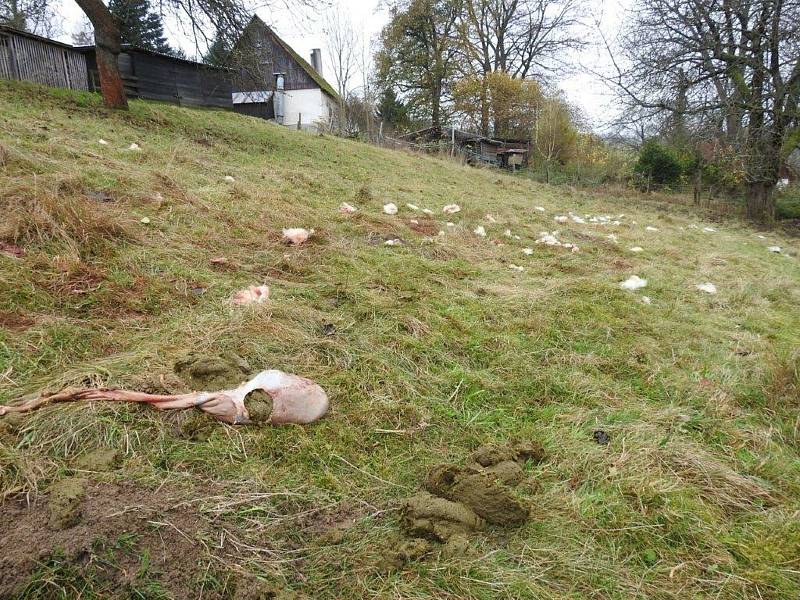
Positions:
{"x": 278, "y": 103}
{"x": 316, "y": 60}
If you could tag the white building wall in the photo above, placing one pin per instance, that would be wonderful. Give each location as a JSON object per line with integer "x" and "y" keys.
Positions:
{"x": 311, "y": 106}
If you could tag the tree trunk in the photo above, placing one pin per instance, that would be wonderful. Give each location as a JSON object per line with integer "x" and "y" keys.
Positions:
{"x": 435, "y": 117}
{"x": 107, "y": 49}
{"x": 484, "y": 108}
{"x": 760, "y": 203}
{"x": 698, "y": 181}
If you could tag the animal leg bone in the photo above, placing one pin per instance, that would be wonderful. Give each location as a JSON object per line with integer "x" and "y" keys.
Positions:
{"x": 294, "y": 399}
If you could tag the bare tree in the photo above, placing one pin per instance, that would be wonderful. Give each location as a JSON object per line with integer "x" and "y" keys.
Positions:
{"x": 83, "y": 34}
{"x": 734, "y": 64}
{"x": 341, "y": 45}
{"x": 35, "y": 16}
{"x": 524, "y": 38}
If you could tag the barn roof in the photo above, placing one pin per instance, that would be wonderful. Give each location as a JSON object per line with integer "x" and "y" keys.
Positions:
{"x": 132, "y": 48}
{"x": 33, "y": 36}
{"x": 312, "y": 72}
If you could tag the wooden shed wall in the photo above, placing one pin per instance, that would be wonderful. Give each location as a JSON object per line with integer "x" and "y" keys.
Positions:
{"x": 30, "y": 59}
{"x": 156, "y": 77}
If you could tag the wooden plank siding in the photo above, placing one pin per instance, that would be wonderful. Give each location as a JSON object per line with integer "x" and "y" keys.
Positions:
{"x": 155, "y": 76}
{"x": 30, "y": 58}
{"x": 260, "y": 53}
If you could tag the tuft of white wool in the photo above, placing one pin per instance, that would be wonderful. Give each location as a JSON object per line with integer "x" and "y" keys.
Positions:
{"x": 102, "y": 142}
{"x": 441, "y": 232}
{"x": 451, "y": 224}
{"x": 451, "y": 209}
{"x": 561, "y": 219}
{"x": 297, "y": 235}
{"x": 134, "y": 146}
{"x": 412, "y": 206}
{"x": 527, "y": 251}
{"x": 572, "y": 247}
{"x": 427, "y": 211}
{"x": 548, "y": 239}
{"x": 145, "y": 221}
{"x": 413, "y": 221}
{"x": 761, "y": 237}
{"x": 539, "y": 208}
{"x": 645, "y": 299}
{"x": 709, "y": 230}
{"x": 394, "y": 242}
{"x": 480, "y": 230}
{"x": 516, "y": 237}
{"x": 651, "y": 228}
{"x": 490, "y": 218}
{"x": 612, "y": 237}
{"x": 346, "y": 208}
{"x": 577, "y": 219}
{"x": 229, "y": 178}
{"x": 634, "y": 282}
{"x": 775, "y": 249}
{"x": 637, "y": 249}
{"x": 707, "y": 287}
{"x": 390, "y": 209}
{"x": 517, "y": 268}
{"x": 507, "y": 233}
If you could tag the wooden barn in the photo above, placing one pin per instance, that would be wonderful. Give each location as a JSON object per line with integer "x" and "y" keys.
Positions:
{"x": 29, "y": 57}
{"x": 274, "y": 82}
{"x": 155, "y": 76}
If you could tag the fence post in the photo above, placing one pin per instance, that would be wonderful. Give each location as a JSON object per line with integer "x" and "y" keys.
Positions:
{"x": 299, "y": 120}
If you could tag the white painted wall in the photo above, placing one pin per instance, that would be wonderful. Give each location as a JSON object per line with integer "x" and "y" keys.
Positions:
{"x": 313, "y": 105}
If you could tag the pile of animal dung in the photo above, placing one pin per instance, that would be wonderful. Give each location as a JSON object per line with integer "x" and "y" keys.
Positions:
{"x": 459, "y": 500}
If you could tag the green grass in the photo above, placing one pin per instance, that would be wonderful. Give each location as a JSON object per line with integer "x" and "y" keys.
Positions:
{"x": 438, "y": 342}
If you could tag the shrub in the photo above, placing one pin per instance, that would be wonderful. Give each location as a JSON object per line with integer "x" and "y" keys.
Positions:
{"x": 787, "y": 203}
{"x": 658, "y": 163}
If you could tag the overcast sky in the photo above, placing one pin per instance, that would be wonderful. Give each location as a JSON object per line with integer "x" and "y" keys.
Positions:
{"x": 303, "y": 31}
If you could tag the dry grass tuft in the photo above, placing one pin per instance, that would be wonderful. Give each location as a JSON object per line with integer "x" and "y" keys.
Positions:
{"x": 44, "y": 215}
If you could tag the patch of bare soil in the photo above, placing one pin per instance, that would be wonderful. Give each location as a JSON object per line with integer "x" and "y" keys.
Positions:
{"x": 427, "y": 227}
{"x": 15, "y": 321}
{"x": 111, "y": 534}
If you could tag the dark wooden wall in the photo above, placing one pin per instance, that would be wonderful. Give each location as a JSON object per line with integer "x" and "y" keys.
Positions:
{"x": 260, "y": 55}
{"x": 156, "y": 77}
{"x": 31, "y": 58}
{"x": 262, "y": 110}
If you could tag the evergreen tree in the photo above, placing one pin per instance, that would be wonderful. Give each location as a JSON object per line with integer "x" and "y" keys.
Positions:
{"x": 139, "y": 26}
{"x": 217, "y": 52}
{"x": 391, "y": 110}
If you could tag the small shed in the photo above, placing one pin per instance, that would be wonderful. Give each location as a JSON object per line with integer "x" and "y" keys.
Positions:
{"x": 512, "y": 158}
{"x": 30, "y": 57}
{"x": 476, "y": 148}
{"x": 154, "y": 76}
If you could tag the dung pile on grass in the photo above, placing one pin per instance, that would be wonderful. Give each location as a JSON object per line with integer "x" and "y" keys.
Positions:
{"x": 460, "y": 500}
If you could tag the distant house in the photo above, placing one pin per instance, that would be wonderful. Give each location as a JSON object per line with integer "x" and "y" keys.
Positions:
{"x": 154, "y": 76}
{"x": 274, "y": 82}
{"x": 30, "y": 57}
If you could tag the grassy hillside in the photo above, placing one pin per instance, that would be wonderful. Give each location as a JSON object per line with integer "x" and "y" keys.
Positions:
{"x": 427, "y": 350}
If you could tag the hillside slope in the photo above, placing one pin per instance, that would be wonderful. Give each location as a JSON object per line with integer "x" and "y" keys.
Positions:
{"x": 428, "y": 350}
